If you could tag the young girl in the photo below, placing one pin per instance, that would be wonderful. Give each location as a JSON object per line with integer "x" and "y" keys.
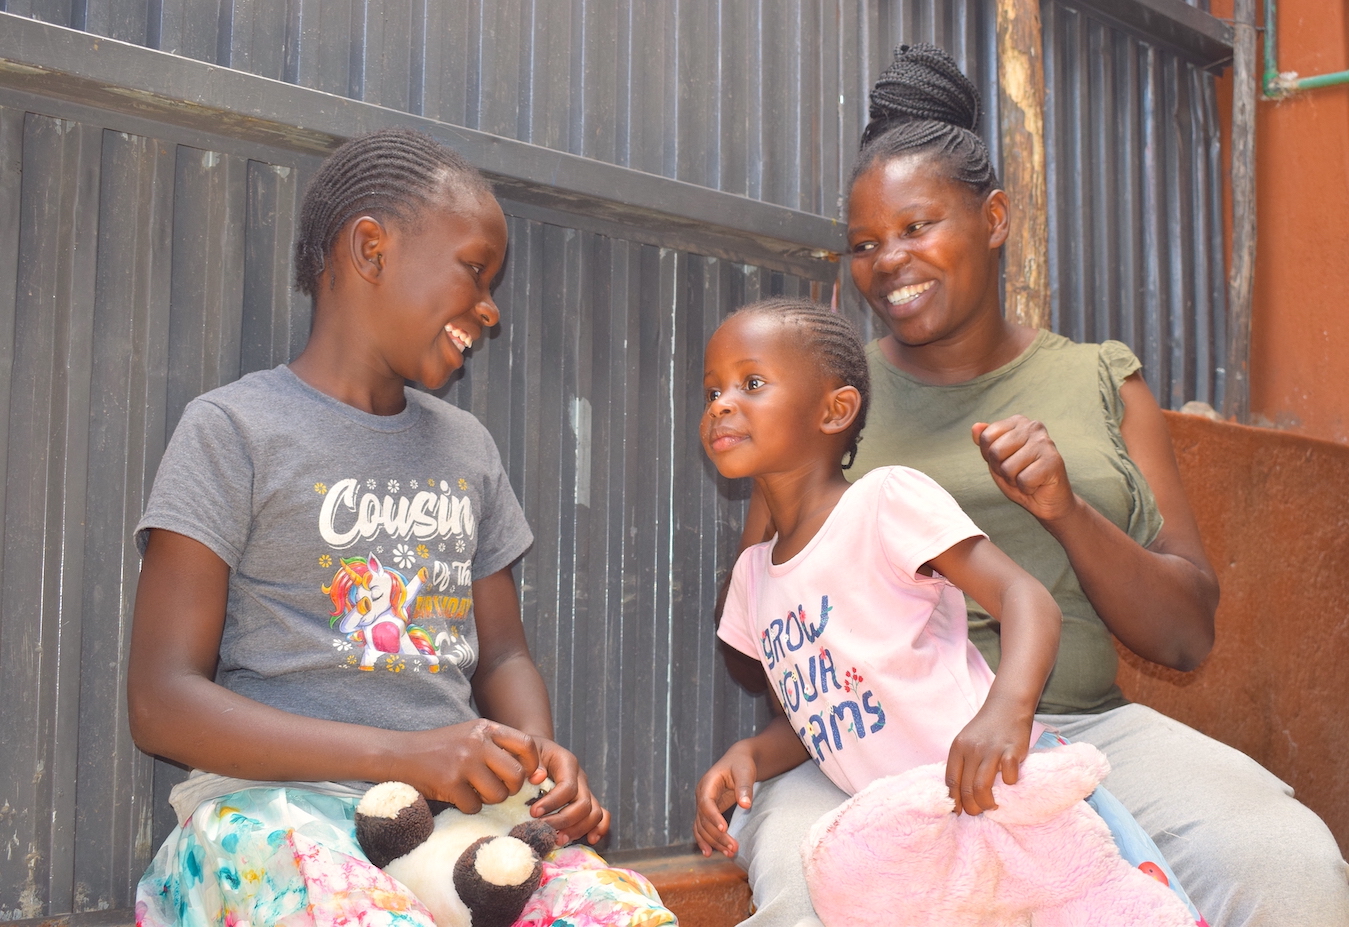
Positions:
{"x": 855, "y": 609}
{"x": 326, "y": 597}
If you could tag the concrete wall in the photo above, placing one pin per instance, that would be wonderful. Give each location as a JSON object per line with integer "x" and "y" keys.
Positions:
{"x": 1271, "y": 511}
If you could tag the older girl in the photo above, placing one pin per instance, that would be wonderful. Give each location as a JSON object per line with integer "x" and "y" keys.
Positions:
{"x": 326, "y": 597}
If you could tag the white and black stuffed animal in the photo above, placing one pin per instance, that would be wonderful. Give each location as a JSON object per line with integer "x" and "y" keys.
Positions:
{"x": 469, "y": 870}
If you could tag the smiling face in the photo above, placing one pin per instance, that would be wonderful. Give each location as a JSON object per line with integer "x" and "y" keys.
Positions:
{"x": 925, "y": 249}
{"x": 435, "y": 295}
{"x": 766, "y": 399}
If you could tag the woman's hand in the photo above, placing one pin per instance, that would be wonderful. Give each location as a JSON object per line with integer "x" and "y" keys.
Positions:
{"x": 729, "y": 782}
{"x": 994, "y": 742}
{"x": 1026, "y": 465}
{"x": 1158, "y": 600}
{"x": 570, "y": 807}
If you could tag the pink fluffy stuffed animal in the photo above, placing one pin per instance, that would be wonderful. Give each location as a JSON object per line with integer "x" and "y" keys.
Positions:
{"x": 896, "y": 854}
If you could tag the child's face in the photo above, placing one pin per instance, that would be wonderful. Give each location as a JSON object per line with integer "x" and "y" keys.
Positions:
{"x": 436, "y": 296}
{"x": 765, "y": 398}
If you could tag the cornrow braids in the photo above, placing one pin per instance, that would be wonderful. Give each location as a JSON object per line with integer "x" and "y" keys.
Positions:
{"x": 833, "y": 343}
{"x": 392, "y": 174}
{"x": 924, "y": 103}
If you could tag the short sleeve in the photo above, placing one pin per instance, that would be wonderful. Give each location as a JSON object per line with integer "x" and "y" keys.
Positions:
{"x": 918, "y": 520}
{"x": 737, "y": 625}
{"x": 204, "y": 486}
{"x": 503, "y": 532}
{"x": 1117, "y": 364}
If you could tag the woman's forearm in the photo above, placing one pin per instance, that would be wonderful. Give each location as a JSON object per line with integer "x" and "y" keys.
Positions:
{"x": 1159, "y": 604}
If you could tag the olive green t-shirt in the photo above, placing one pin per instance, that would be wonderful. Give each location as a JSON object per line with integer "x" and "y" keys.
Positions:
{"x": 1074, "y": 390}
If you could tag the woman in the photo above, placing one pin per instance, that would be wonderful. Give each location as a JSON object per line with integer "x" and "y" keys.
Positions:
{"x": 1061, "y": 454}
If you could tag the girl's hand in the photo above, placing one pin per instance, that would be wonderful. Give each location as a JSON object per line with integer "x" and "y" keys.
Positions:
{"x": 570, "y": 807}
{"x": 730, "y": 781}
{"x": 471, "y": 764}
{"x": 994, "y": 742}
{"x": 1026, "y": 466}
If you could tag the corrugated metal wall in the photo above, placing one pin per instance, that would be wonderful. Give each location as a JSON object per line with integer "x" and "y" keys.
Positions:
{"x": 1136, "y": 239}
{"x": 143, "y": 261}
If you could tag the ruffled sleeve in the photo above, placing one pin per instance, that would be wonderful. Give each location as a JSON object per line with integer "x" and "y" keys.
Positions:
{"x": 1118, "y": 363}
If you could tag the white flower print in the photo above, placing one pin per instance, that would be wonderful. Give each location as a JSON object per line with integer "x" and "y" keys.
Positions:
{"x": 393, "y": 486}
{"x": 460, "y": 546}
{"x": 370, "y": 484}
{"x": 441, "y": 545}
{"x": 412, "y": 484}
{"x": 402, "y": 556}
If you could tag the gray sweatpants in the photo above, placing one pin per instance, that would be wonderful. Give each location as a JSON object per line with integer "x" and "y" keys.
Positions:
{"x": 1247, "y": 852}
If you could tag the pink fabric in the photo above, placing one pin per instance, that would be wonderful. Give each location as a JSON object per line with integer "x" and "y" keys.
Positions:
{"x": 895, "y": 854}
{"x": 871, "y": 659}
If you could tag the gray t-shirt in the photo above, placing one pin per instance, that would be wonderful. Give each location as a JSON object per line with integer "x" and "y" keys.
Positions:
{"x": 352, "y": 541}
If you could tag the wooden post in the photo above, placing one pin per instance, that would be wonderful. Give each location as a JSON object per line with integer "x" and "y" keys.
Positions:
{"x": 1021, "y": 100}
{"x": 1241, "y": 273}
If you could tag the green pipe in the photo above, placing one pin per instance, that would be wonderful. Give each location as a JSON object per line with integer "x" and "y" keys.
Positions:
{"x": 1275, "y": 85}
{"x": 1322, "y": 80}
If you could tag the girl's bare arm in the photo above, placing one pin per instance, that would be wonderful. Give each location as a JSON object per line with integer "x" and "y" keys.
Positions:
{"x": 771, "y": 752}
{"x": 507, "y": 688}
{"x": 177, "y": 710}
{"x": 998, "y": 738}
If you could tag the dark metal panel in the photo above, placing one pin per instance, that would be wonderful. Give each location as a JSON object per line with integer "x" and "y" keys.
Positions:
{"x": 502, "y": 52}
{"x": 142, "y": 84}
{"x": 60, "y": 12}
{"x": 450, "y": 71}
{"x": 194, "y": 29}
{"x": 780, "y": 76}
{"x": 651, "y": 86}
{"x": 552, "y": 53}
{"x": 275, "y": 317}
{"x": 391, "y": 54}
{"x": 597, "y": 77}
{"x": 125, "y": 20}
{"x": 696, "y": 140}
{"x": 258, "y": 37}
{"x": 47, "y": 455}
{"x": 1134, "y": 200}
{"x": 329, "y": 44}
{"x": 1182, "y": 26}
{"x": 208, "y": 267}
{"x": 130, "y": 314}
{"x": 11, "y": 186}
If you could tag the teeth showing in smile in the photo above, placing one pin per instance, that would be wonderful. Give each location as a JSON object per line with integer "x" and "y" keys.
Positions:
{"x": 461, "y": 338}
{"x": 907, "y": 293}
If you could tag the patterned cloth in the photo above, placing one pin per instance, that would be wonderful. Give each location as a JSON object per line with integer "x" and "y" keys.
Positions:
{"x": 289, "y": 857}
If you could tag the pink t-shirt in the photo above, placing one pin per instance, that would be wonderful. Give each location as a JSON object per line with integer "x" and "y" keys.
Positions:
{"x": 870, "y": 658}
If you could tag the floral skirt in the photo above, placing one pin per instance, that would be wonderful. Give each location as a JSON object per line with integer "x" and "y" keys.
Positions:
{"x": 289, "y": 857}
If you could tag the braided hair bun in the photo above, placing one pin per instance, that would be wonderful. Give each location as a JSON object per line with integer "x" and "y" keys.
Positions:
{"x": 923, "y": 102}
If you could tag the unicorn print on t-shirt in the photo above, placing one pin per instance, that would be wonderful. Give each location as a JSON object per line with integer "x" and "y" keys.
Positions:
{"x": 368, "y": 607}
